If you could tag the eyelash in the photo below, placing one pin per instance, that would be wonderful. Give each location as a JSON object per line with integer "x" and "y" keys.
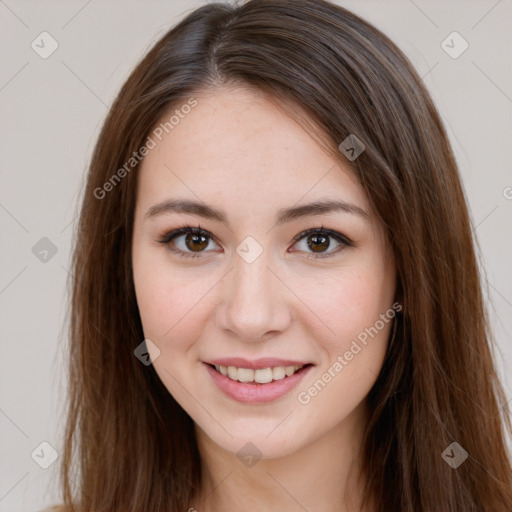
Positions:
{"x": 168, "y": 237}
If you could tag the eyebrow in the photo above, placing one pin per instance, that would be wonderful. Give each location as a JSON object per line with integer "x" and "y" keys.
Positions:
{"x": 284, "y": 215}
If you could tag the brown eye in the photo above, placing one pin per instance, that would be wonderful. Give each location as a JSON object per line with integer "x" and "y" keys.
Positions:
{"x": 318, "y": 243}
{"x": 187, "y": 241}
{"x": 192, "y": 242}
{"x": 196, "y": 242}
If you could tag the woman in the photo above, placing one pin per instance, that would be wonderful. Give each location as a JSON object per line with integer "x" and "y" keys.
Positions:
{"x": 276, "y": 300}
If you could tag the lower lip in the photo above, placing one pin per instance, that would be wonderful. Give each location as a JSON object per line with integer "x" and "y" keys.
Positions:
{"x": 256, "y": 393}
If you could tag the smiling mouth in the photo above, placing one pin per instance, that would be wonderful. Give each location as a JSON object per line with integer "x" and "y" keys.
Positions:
{"x": 260, "y": 376}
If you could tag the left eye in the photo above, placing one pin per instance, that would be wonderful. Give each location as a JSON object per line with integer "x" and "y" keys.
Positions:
{"x": 318, "y": 240}
{"x": 197, "y": 240}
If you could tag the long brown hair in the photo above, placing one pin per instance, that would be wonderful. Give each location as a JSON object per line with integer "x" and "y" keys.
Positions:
{"x": 132, "y": 446}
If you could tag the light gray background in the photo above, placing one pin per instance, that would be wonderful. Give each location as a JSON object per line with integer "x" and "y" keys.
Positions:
{"x": 52, "y": 110}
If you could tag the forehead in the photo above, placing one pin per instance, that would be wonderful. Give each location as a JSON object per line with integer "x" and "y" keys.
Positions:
{"x": 237, "y": 146}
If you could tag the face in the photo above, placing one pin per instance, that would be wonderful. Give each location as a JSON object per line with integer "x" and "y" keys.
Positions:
{"x": 248, "y": 287}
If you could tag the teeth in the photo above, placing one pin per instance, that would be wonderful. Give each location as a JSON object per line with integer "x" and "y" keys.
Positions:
{"x": 232, "y": 372}
{"x": 289, "y": 370}
{"x": 260, "y": 376}
{"x": 263, "y": 376}
{"x": 245, "y": 375}
{"x": 278, "y": 373}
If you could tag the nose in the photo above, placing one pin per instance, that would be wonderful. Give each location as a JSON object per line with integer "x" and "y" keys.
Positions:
{"x": 254, "y": 302}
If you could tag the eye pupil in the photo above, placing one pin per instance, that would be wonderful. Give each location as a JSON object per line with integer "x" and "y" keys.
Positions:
{"x": 315, "y": 245}
{"x": 197, "y": 240}
{"x": 195, "y": 237}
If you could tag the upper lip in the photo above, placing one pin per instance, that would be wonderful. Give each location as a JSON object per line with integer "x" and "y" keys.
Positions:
{"x": 256, "y": 364}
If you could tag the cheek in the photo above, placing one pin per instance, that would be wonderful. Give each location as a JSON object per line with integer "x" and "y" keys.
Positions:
{"x": 350, "y": 304}
{"x": 171, "y": 303}
{"x": 353, "y": 355}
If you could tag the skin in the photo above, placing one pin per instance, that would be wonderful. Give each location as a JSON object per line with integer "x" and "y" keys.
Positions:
{"x": 233, "y": 149}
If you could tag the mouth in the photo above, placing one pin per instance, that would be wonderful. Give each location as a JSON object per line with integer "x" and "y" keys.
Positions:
{"x": 257, "y": 385}
{"x": 260, "y": 376}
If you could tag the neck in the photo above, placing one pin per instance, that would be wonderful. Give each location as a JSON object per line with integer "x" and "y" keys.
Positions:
{"x": 323, "y": 475}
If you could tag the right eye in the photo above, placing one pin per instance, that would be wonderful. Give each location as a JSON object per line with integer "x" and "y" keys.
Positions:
{"x": 192, "y": 238}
